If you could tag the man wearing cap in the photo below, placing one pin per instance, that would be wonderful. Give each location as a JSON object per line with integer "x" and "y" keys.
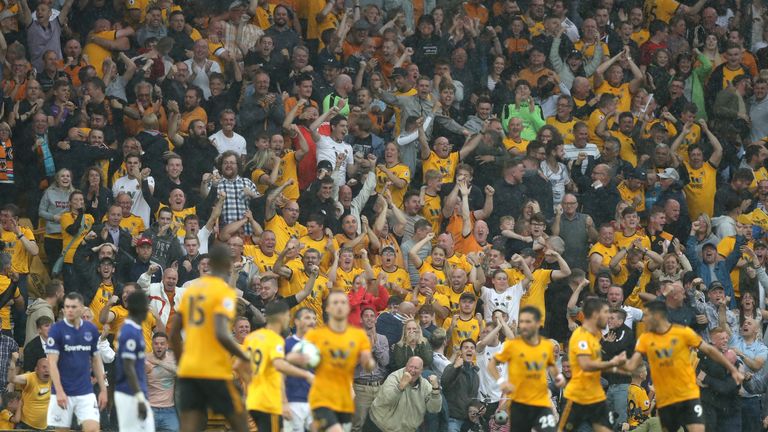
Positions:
{"x": 99, "y": 287}
{"x": 142, "y": 261}
{"x": 710, "y": 266}
{"x": 397, "y": 280}
{"x": 464, "y": 324}
{"x": 632, "y": 188}
{"x": 716, "y": 308}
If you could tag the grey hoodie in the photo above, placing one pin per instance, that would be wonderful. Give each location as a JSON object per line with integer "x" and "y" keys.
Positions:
{"x": 55, "y": 201}
{"x": 38, "y": 308}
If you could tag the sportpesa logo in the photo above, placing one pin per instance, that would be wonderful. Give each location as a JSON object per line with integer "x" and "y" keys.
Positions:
{"x": 77, "y": 348}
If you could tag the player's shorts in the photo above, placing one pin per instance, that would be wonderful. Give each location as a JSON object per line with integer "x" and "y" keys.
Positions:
{"x": 266, "y": 422}
{"x": 527, "y": 417}
{"x": 575, "y": 414}
{"x": 677, "y": 415}
{"x": 197, "y": 394}
{"x": 301, "y": 417}
{"x": 83, "y": 407}
{"x": 326, "y": 417}
{"x": 127, "y": 407}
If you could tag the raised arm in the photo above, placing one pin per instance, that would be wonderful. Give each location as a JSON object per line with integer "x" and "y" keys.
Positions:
{"x": 413, "y": 254}
{"x": 717, "y": 147}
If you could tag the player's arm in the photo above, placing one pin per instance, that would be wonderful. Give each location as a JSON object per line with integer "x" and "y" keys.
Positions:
{"x": 367, "y": 361}
{"x": 717, "y": 356}
{"x": 286, "y": 368}
{"x": 53, "y": 366}
{"x": 224, "y": 336}
{"x": 98, "y": 370}
{"x": 176, "y": 324}
{"x": 589, "y": 365}
{"x": 129, "y": 363}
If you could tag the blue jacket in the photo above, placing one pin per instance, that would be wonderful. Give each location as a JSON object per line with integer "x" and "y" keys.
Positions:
{"x": 723, "y": 268}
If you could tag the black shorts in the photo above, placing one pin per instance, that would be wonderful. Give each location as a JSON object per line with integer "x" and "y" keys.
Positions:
{"x": 220, "y": 396}
{"x": 325, "y": 418}
{"x": 527, "y": 417}
{"x": 680, "y": 414}
{"x": 575, "y": 414}
{"x": 266, "y": 422}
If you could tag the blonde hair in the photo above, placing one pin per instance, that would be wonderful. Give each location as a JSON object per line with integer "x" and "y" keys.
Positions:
{"x": 402, "y": 341}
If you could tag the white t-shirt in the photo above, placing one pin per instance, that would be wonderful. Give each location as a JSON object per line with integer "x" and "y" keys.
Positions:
{"x": 489, "y": 390}
{"x": 572, "y": 152}
{"x": 509, "y": 301}
{"x": 223, "y": 143}
{"x": 132, "y": 187}
{"x": 327, "y": 149}
{"x": 201, "y": 79}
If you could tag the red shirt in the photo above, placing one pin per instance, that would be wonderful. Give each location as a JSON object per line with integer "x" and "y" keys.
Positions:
{"x": 647, "y": 50}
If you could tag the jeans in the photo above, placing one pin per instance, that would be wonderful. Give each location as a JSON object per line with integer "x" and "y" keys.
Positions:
{"x": 454, "y": 425}
{"x": 617, "y": 401}
{"x": 436, "y": 421}
{"x": 166, "y": 419}
{"x": 751, "y": 415}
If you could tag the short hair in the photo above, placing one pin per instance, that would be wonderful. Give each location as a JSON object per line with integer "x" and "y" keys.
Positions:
{"x": 657, "y": 307}
{"x": 744, "y": 174}
{"x": 198, "y": 91}
{"x": 43, "y": 321}
{"x": 226, "y": 111}
{"x": 468, "y": 341}
{"x": 592, "y": 306}
{"x": 159, "y": 334}
{"x": 75, "y": 296}
{"x": 656, "y": 26}
{"x": 136, "y": 302}
{"x": 336, "y": 120}
{"x": 52, "y": 288}
{"x": 533, "y": 310}
{"x": 621, "y": 312}
{"x": 437, "y": 338}
{"x": 394, "y": 300}
{"x": 11, "y": 208}
{"x": 275, "y": 308}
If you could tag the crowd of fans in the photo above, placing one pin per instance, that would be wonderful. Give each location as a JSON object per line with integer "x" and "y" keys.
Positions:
{"x": 444, "y": 164}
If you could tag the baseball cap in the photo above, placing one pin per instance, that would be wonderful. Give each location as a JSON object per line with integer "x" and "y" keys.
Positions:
{"x": 361, "y": 25}
{"x": 387, "y": 249}
{"x": 710, "y": 243}
{"x": 669, "y": 173}
{"x": 398, "y": 71}
{"x": 329, "y": 61}
{"x": 325, "y": 164}
{"x": 143, "y": 241}
{"x": 636, "y": 173}
{"x": 467, "y": 296}
{"x": 716, "y": 285}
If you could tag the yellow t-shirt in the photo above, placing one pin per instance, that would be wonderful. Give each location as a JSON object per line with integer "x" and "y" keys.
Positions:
{"x": 288, "y": 171}
{"x": 565, "y": 128}
{"x": 446, "y": 167}
{"x": 730, "y": 75}
{"x": 527, "y": 370}
{"x": 398, "y": 194}
{"x": 345, "y": 279}
{"x": 700, "y": 190}
{"x": 398, "y": 277}
{"x": 606, "y": 252}
{"x": 5, "y": 420}
{"x": 264, "y": 346}
{"x": 265, "y": 263}
{"x": 594, "y": 119}
{"x": 433, "y": 211}
{"x": 669, "y": 357}
{"x": 760, "y": 175}
{"x": 589, "y": 50}
{"x": 661, "y": 10}
{"x": 427, "y": 267}
{"x": 629, "y": 195}
{"x": 283, "y": 232}
{"x": 287, "y": 287}
{"x": 535, "y": 294}
{"x": 97, "y": 54}
{"x": 627, "y": 151}
{"x": 623, "y": 241}
{"x": 121, "y": 313}
{"x": 204, "y": 357}
{"x": 639, "y": 405}
{"x": 518, "y": 146}
{"x": 134, "y": 224}
{"x": 463, "y": 329}
{"x": 692, "y": 137}
{"x": 339, "y": 353}
{"x": 622, "y": 92}
{"x": 35, "y": 396}
{"x": 453, "y": 296}
{"x": 640, "y": 36}
{"x": 67, "y": 219}
{"x": 321, "y": 246}
{"x": 5, "y": 312}
{"x": 584, "y": 387}
{"x": 100, "y": 300}
{"x": 19, "y": 255}
{"x": 316, "y": 298}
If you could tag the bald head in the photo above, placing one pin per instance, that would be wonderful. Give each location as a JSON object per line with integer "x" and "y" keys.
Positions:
{"x": 414, "y": 367}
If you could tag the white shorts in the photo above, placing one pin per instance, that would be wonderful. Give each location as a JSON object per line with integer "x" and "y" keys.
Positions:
{"x": 84, "y": 407}
{"x": 128, "y": 414}
{"x": 301, "y": 417}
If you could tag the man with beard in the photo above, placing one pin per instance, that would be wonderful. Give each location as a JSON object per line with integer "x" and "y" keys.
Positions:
{"x": 161, "y": 377}
{"x": 197, "y": 152}
{"x": 283, "y": 35}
